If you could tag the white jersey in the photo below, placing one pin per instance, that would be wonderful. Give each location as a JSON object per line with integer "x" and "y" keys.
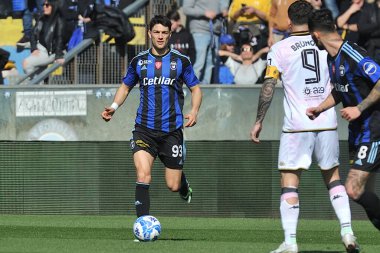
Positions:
{"x": 305, "y": 77}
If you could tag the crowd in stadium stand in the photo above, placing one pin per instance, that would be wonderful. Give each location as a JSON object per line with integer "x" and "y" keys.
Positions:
{"x": 199, "y": 27}
{"x": 262, "y": 23}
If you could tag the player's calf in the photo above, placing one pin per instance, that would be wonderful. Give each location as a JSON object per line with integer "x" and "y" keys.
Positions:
{"x": 185, "y": 192}
{"x": 371, "y": 204}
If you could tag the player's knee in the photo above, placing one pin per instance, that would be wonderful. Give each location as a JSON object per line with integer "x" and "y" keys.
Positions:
{"x": 290, "y": 195}
{"x": 353, "y": 192}
{"x": 353, "y": 195}
{"x": 143, "y": 177}
{"x": 173, "y": 186}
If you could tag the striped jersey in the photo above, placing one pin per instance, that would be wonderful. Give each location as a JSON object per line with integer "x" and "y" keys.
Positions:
{"x": 353, "y": 75}
{"x": 305, "y": 78}
{"x": 160, "y": 81}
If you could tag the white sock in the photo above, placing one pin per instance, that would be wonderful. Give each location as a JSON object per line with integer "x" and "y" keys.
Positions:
{"x": 340, "y": 202}
{"x": 289, "y": 219}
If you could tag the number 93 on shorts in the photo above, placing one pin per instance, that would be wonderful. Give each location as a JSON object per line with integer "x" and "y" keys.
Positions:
{"x": 169, "y": 147}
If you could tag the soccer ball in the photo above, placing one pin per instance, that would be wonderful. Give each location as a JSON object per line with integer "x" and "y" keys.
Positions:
{"x": 147, "y": 228}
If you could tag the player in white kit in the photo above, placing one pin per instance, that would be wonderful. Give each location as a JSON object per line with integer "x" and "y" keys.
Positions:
{"x": 305, "y": 78}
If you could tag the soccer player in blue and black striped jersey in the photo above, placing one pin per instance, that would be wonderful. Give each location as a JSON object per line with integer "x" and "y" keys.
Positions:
{"x": 159, "y": 123}
{"x": 356, "y": 81}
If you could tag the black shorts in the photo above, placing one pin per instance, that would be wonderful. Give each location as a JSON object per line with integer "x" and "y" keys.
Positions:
{"x": 169, "y": 147}
{"x": 367, "y": 157}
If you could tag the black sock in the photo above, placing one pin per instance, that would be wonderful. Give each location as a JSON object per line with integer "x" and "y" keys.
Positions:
{"x": 371, "y": 204}
{"x": 184, "y": 186}
{"x": 142, "y": 199}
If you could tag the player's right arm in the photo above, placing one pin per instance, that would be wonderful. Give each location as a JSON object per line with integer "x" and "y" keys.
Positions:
{"x": 120, "y": 96}
{"x": 129, "y": 81}
{"x": 272, "y": 74}
{"x": 265, "y": 99}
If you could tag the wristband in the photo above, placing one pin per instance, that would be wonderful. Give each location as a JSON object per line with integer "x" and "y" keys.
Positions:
{"x": 114, "y": 106}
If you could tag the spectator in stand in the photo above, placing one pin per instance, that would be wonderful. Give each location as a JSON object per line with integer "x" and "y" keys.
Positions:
{"x": 79, "y": 13}
{"x": 369, "y": 28}
{"x": 181, "y": 39}
{"x": 70, "y": 13}
{"x": 205, "y": 26}
{"x": 247, "y": 67}
{"x": 47, "y": 38}
{"x": 278, "y": 21}
{"x": 350, "y": 12}
{"x": 333, "y": 7}
{"x": 227, "y": 43}
{"x": 27, "y": 21}
{"x": 87, "y": 15}
{"x": 251, "y": 16}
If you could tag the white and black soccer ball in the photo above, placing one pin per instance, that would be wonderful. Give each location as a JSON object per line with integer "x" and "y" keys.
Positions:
{"x": 147, "y": 228}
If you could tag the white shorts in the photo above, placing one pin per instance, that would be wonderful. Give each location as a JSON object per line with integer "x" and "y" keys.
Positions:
{"x": 297, "y": 149}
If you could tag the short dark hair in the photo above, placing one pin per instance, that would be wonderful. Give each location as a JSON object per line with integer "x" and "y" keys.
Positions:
{"x": 162, "y": 20}
{"x": 299, "y": 12}
{"x": 322, "y": 20}
{"x": 173, "y": 15}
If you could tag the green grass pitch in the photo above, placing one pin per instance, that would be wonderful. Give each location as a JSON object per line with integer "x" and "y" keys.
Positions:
{"x": 109, "y": 234}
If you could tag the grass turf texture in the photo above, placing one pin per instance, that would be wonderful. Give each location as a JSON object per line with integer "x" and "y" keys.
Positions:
{"x": 94, "y": 234}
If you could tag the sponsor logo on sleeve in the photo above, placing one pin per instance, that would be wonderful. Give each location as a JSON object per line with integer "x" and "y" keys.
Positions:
{"x": 369, "y": 68}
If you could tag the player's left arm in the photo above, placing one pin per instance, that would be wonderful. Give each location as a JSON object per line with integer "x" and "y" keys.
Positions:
{"x": 196, "y": 101}
{"x": 354, "y": 112}
{"x": 369, "y": 70}
{"x": 192, "y": 83}
{"x": 372, "y": 98}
